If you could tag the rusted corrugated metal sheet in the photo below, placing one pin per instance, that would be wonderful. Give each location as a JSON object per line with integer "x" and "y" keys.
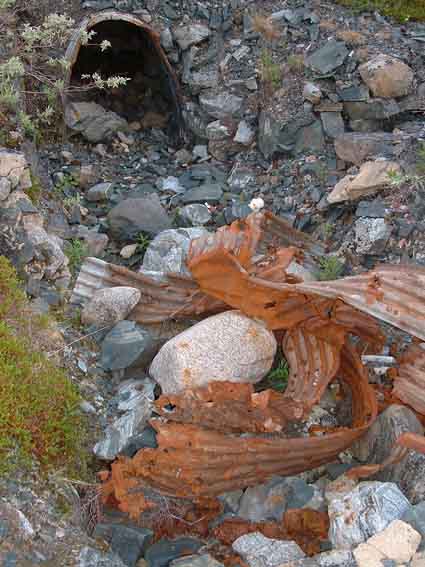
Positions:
{"x": 409, "y": 384}
{"x": 231, "y": 408}
{"x": 191, "y": 461}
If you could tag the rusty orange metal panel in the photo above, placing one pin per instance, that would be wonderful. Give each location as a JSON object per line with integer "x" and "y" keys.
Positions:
{"x": 409, "y": 384}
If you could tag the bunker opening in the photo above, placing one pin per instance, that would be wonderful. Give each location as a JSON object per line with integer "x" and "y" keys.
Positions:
{"x": 123, "y": 46}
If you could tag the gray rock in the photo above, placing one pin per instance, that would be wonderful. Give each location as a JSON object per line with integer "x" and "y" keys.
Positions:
{"x": 268, "y": 134}
{"x": 164, "y": 551}
{"x": 231, "y": 500}
{"x": 14, "y": 166}
{"x": 312, "y": 93}
{"x": 90, "y": 557}
{"x": 353, "y": 93}
{"x": 336, "y": 558}
{"x": 168, "y": 251}
{"x": 244, "y": 134}
{"x": 143, "y": 440}
{"x": 310, "y": 138}
{"x": 5, "y": 188}
{"x": 96, "y": 242}
{"x": 191, "y": 35}
{"x": 369, "y": 508}
{"x": 138, "y": 409}
{"x": 371, "y": 235}
{"x": 203, "y": 79}
{"x": 99, "y": 192}
{"x": 128, "y": 542}
{"x": 207, "y": 193}
{"x": 205, "y": 560}
{"x": 110, "y": 305}
{"x": 94, "y": 122}
{"x": 333, "y": 124}
{"x": 415, "y": 516}
{"x": 196, "y": 214}
{"x": 371, "y": 209}
{"x": 356, "y": 147}
{"x": 228, "y": 346}
{"x": 221, "y": 104}
{"x": 375, "y": 109}
{"x": 260, "y": 551}
{"x": 132, "y": 216}
{"x": 328, "y": 58}
{"x": 270, "y": 500}
{"x": 218, "y": 130}
{"x": 166, "y": 38}
{"x": 127, "y": 345}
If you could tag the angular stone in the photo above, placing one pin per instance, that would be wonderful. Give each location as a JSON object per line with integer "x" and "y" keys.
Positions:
{"x": 221, "y": 105}
{"x": 207, "y": 193}
{"x": 90, "y": 557}
{"x": 218, "y": 130}
{"x": 310, "y": 138}
{"x": 231, "y": 500}
{"x": 387, "y": 76}
{"x": 418, "y": 560}
{"x": 5, "y": 188}
{"x": 372, "y": 110}
{"x": 356, "y": 147}
{"x": 96, "y": 242}
{"x": 205, "y": 560}
{"x": 244, "y": 134}
{"x": 196, "y": 214}
{"x": 368, "y": 556}
{"x": 372, "y": 177}
{"x": 99, "y": 192}
{"x": 332, "y": 123}
{"x": 123, "y": 429}
{"x": 312, "y": 93}
{"x": 369, "y": 508}
{"x": 94, "y": 122}
{"x": 336, "y": 558}
{"x": 127, "y": 345}
{"x": 143, "y": 440}
{"x": 164, "y": 551}
{"x": 328, "y": 58}
{"x": 371, "y": 235}
{"x": 110, "y": 305}
{"x": 228, "y": 346}
{"x": 191, "y": 35}
{"x": 168, "y": 251}
{"x": 398, "y": 541}
{"x": 128, "y": 542}
{"x": 132, "y": 216}
{"x": 260, "y": 551}
{"x": 268, "y": 134}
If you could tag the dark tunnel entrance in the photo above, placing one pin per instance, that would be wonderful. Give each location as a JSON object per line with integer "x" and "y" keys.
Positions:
{"x": 151, "y": 97}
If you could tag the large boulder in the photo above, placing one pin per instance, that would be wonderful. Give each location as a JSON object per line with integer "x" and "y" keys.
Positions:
{"x": 134, "y": 216}
{"x": 14, "y": 171}
{"x": 387, "y": 76}
{"x": 228, "y": 346}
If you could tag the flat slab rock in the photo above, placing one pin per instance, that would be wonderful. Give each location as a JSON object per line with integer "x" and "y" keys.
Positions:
{"x": 228, "y": 346}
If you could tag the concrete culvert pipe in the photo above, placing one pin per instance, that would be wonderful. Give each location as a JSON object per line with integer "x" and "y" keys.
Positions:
{"x": 151, "y": 97}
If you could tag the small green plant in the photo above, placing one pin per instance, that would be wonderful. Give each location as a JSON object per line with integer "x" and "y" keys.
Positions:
{"x": 277, "y": 379}
{"x": 40, "y": 420}
{"x": 67, "y": 181}
{"x": 271, "y": 73}
{"x": 295, "y": 63}
{"x": 76, "y": 251}
{"x": 401, "y": 10}
{"x": 328, "y": 229}
{"x": 34, "y": 192}
{"x": 331, "y": 268}
{"x": 69, "y": 202}
{"x": 143, "y": 242}
{"x": 398, "y": 179}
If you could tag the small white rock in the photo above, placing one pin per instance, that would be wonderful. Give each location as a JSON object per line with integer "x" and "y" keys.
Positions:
{"x": 368, "y": 556}
{"x": 128, "y": 251}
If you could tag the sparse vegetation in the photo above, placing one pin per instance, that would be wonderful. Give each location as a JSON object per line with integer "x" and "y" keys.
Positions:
{"x": 76, "y": 251}
{"x": 401, "y": 10}
{"x": 143, "y": 242}
{"x": 40, "y": 420}
{"x": 66, "y": 182}
{"x": 271, "y": 72}
{"x": 277, "y": 378}
{"x": 295, "y": 63}
{"x": 265, "y": 27}
{"x": 34, "y": 192}
{"x": 331, "y": 268}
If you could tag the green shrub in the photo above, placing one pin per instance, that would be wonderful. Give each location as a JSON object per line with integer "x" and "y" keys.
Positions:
{"x": 331, "y": 268}
{"x": 277, "y": 379}
{"x": 401, "y": 10}
{"x": 40, "y": 421}
{"x": 76, "y": 251}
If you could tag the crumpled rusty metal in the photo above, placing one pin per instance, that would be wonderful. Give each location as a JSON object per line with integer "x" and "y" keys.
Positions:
{"x": 409, "y": 383}
{"x": 204, "y": 449}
